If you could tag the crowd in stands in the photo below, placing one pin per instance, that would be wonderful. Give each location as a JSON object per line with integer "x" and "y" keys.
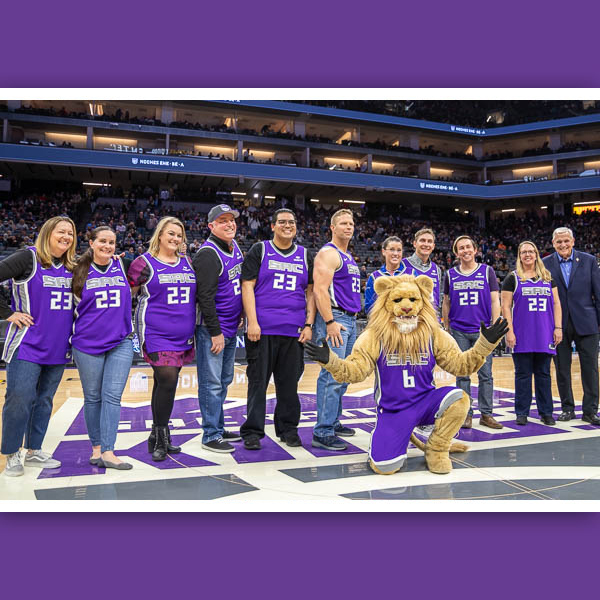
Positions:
{"x": 471, "y": 113}
{"x": 136, "y": 215}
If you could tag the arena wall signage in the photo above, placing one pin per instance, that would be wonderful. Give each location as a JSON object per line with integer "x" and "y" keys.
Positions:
{"x": 234, "y": 169}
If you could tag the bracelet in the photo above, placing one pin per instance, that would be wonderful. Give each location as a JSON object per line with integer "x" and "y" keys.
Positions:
{"x": 558, "y": 328}
{"x": 308, "y": 325}
{"x": 330, "y": 322}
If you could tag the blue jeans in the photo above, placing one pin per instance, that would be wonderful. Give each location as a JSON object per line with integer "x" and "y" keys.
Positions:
{"x": 485, "y": 391}
{"x": 30, "y": 389}
{"x": 215, "y": 373}
{"x": 103, "y": 378}
{"x": 329, "y": 391}
{"x": 538, "y": 365}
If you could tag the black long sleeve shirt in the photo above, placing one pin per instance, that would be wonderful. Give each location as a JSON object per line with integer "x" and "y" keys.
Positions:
{"x": 207, "y": 267}
{"x": 17, "y": 266}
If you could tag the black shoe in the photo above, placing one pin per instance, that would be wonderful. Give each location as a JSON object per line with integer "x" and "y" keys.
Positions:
{"x": 566, "y": 415}
{"x": 152, "y": 442}
{"x": 229, "y": 436}
{"x": 547, "y": 419}
{"x": 521, "y": 420}
{"x": 343, "y": 431}
{"x": 162, "y": 442}
{"x": 291, "y": 439}
{"x": 329, "y": 442}
{"x": 252, "y": 442}
{"x": 591, "y": 419}
{"x": 218, "y": 445}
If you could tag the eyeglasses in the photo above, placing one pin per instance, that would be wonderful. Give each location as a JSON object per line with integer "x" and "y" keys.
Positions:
{"x": 527, "y": 251}
{"x": 290, "y": 222}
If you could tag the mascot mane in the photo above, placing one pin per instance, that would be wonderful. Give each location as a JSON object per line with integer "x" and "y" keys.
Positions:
{"x": 382, "y": 319}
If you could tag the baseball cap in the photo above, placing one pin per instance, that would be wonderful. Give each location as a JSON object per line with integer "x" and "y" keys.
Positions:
{"x": 221, "y": 209}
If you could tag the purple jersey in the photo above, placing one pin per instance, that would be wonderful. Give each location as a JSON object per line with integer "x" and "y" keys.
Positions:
{"x": 103, "y": 314}
{"x": 533, "y": 316}
{"x": 46, "y": 296}
{"x": 399, "y": 384}
{"x": 344, "y": 290}
{"x": 280, "y": 291}
{"x": 470, "y": 299}
{"x": 228, "y": 300}
{"x": 432, "y": 272}
{"x": 166, "y": 312}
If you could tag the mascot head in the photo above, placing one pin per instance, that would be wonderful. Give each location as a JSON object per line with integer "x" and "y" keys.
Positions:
{"x": 403, "y": 316}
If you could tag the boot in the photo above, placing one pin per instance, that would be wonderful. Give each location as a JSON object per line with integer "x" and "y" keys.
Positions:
{"x": 446, "y": 427}
{"x": 152, "y": 442}
{"x": 162, "y": 442}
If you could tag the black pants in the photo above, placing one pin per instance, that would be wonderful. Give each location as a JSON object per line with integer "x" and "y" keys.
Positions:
{"x": 587, "y": 347}
{"x": 282, "y": 357}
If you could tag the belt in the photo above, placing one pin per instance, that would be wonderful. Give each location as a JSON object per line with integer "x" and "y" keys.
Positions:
{"x": 346, "y": 312}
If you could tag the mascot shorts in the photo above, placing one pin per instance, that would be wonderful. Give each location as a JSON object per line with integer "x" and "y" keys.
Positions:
{"x": 389, "y": 440}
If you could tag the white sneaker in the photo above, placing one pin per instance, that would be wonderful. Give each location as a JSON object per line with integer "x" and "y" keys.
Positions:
{"x": 14, "y": 467}
{"x": 40, "y": 459}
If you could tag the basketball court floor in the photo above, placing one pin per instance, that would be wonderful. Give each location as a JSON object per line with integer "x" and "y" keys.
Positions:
{"x": 534, "y": 462}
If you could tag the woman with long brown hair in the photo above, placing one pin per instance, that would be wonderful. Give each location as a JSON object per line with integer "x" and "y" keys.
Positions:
{"x": 102, "y": 342}
{"x": 37, "y": 342}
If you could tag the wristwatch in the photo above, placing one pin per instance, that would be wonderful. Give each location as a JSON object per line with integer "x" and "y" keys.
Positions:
{"x": 308, "y": 325}
{"x": 330, "y": 322}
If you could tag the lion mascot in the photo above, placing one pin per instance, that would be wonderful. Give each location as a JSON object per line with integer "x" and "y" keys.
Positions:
{"x": 402, "y": 343}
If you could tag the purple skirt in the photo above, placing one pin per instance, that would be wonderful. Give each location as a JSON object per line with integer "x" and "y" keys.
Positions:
{"x": 170, "y": 358}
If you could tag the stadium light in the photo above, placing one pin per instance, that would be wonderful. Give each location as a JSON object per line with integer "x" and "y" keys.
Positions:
{"x": 509, "y": 209}
{"x": 584, "y": 203}
{"x": 238, "y": 193}
{"x": 352, "y": 201}
{"x": 95, "y": 184}
{"x": 256, "y": 195}
{"x": 543, "y": 207}
{"x": 314, "y": 200}
{"x": 270, "y": 197}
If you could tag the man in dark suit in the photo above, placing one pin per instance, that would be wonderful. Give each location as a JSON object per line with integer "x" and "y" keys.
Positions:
{"x": 577, "y": 278}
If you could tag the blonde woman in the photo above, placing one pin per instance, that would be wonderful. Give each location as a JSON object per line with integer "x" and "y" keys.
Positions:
{"x": 165, "y": 321}
{"x": 37, "y": 342}
{"x": 531, "y": 306}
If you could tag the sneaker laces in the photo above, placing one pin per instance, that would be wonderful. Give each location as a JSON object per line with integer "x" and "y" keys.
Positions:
{"x": 14, "y": 459}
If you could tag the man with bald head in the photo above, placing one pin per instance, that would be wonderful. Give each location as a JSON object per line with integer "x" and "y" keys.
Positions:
{"x": 577, "y": 278}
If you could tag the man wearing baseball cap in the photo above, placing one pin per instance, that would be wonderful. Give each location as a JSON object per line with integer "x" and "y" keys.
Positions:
{"x": 218, "y": 265}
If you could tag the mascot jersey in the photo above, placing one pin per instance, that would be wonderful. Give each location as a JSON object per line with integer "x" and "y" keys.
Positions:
{"x": 344, "y": 290}
{"x": 533, "y": 316}
{"x": 470, "y": 299}
{"x": 280, "y": 291}
{"x": 399, "y": 384}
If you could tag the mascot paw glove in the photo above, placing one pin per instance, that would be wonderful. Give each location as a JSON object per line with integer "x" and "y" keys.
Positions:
{"x": 494, "y": 332}
{"x": 318, "y": 353}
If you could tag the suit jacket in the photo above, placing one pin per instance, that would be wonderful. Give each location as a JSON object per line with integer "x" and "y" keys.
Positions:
{"x": 581, "y": 299}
